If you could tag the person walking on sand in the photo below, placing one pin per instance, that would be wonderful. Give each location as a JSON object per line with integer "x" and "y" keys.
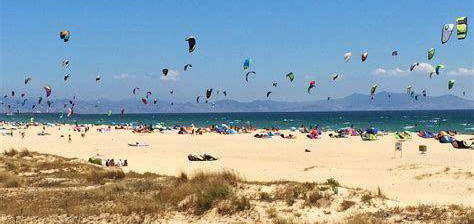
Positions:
{"x": 22, "y": 135}
{"x": 69, "y": 138}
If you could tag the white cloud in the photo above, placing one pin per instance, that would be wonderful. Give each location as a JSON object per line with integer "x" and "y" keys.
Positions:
{"x": 172, "y": 76}
{"x": 123, "y": 76}
{"x": 380, "y": 71}
{"x": 390, "y": 72}
{"x": 422, "y": 68}
{"x": 462, "y": 72}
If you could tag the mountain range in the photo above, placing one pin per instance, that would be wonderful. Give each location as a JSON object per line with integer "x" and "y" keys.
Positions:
{"x": 354, "y": 102}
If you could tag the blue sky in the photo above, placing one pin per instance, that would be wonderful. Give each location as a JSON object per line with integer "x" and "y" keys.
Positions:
{"x": 129, "y": 42}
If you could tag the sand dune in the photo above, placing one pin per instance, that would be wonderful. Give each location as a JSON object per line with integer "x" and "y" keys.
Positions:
{"x": 441, "y": 176}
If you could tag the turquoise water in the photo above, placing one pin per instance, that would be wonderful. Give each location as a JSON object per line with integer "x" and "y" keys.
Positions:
{"x": 460, "y": 120}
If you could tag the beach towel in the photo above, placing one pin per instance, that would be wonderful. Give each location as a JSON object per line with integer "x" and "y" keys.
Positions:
{"x": 368, "y": 137}
{"x": 403, "y": 135}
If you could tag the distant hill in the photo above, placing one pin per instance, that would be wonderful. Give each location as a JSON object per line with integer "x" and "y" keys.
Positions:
{"x": 354, "y": 102}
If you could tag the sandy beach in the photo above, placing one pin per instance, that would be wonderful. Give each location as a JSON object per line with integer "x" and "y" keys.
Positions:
{"x": 443, "y": 175}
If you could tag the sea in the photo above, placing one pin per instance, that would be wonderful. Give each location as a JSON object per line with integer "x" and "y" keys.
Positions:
{"x": 459, "y": 120}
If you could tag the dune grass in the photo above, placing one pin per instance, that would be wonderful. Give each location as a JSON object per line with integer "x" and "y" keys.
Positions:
{"x": 47, "y": 186}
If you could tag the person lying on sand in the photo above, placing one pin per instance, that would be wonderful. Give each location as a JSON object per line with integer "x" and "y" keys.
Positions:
{"x": 262, "y": 136}
{"x": 290, "y": 136}
{"x": 460, "y": 144}
{"x": 137, "y": 144}
{"x": 204, "y": 157}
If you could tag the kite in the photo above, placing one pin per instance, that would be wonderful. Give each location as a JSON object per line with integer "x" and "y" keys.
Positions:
{"x": 197, "y": 99}
{"x": 364, "y": 56}
{"x": 171, "y": 91}
{"x": 312, "y": 84}
{"x": 438, "y": 67}
{"x": 22, "y": 95}
{"x": 451, "y": 83}
{"x": 413, "y": 66}
{"x": 97, "y": 78}
{"x": 246, "y": 64}
{"x": 268, "y": 93}
{"x": 109, "y": 113}
{"x": 28, "y": 79}
{"x": 49, "y": 103}
{"x": 155, "y": 101}
{"x": 23, "y": 103}
{"x": 334, "y": 76}
{"x": 247, "y": 75}
{"x": 208, "y": 93}
{"x": 40, "y": 99}
{"x": 224, "y": 92}
{"x": 416, "y": 97}
{"x": 187, "y": 66}
{"x": 329, "y": 98}
{"x": 66, "y": 77}
{"x": 464, "y": 93}
{"x": 65, "y": 63}
{"x": 432, "y": 73}
{"x": 165, "y": 71}
{"x": 13, "y": 93}
{"x": 144, "y": 101}
{"x": 461, "y": 27}
{"x": 409, "y": 89}
{"x": 423, "y": 93}
{"x": 431, "y": 53}
{"x": 47, "y": 89}
{"x": 394, "y": 53}
{"x": 65, "y": 35}
{"x": 122, "y": 111}
{"x": 274, "y": 84}
{"x": 70, "y": 112}
{"x": 290, "y": 76}
{"x": 446, "y": 33}
{"x": 148, "y": 94}
{"x": 191, "y": 43}
{"x": 347, "y": 56}
{"x": 135, "y": 90}
{"x": 372, "y": 90}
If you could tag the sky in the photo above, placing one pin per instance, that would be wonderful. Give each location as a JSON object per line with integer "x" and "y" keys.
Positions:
{"x": 128, "y": 43}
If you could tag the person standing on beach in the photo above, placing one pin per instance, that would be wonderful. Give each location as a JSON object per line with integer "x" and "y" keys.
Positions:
{"x": 69, "y": 138}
